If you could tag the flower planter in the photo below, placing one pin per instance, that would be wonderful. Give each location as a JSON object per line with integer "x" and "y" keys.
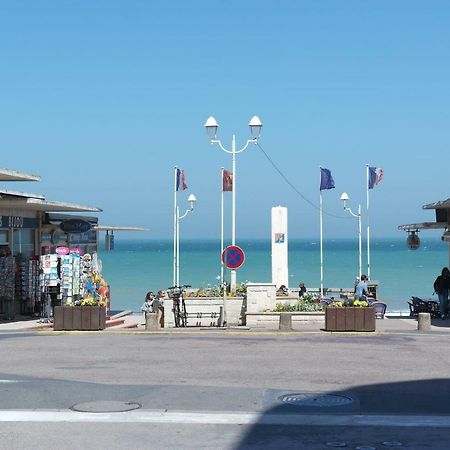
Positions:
{"x": 349, "y": 319}
{"x": 84, "y": 318}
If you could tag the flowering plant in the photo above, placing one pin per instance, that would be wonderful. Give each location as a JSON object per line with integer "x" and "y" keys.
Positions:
{"x": 338, "y": 304}
{"x": 360, "y": 304}
{"x": 88, "y": 301}
{"x": 351, "y": 303}
{"x": 91, "y": 301}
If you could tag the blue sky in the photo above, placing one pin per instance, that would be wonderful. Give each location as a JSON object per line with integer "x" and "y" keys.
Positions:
{"x": 103, "y": 98}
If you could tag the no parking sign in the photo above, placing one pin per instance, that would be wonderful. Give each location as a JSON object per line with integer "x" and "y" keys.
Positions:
{"x": 233, "y": 257}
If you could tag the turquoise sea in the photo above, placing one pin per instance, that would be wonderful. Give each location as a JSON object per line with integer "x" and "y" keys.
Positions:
{"x": 136, "y": 266}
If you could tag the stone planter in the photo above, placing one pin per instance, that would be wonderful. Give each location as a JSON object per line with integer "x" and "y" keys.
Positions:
{"x": 271, "y": 320}
{"x": 349, "y": 319}
{"x": 84, "y": 318}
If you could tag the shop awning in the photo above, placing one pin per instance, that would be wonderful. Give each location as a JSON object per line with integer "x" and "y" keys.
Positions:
{"x": 39, "y": 204}
{"x": 13, "y": 175}
{"x": 57, "y": 218}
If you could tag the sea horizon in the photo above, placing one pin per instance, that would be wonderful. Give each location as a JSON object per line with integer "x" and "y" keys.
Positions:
{"x": 136, "y": 266}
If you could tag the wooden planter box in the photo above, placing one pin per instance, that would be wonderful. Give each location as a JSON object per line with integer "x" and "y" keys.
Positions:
{"x": 349, "y": 319}
{"x": 85, "y": 318}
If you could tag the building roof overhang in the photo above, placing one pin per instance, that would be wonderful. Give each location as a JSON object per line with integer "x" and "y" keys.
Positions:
{"x": 442, "y": 204}
{"x": 40, "y": 204}
{"x": 13, "y": 175}
{"x": 6, "y": 193}
{"x": 423, "y": 226}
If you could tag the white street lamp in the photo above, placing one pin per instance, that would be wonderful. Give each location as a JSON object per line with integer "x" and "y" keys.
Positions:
{"x": 212, "y": 126}
{"x": 345, "y": 198}
{"x": 191, "y": 200}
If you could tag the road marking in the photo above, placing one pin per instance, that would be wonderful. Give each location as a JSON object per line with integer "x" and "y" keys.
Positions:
{"x": 227, "y": 418}
{"x": 11, "y": 381}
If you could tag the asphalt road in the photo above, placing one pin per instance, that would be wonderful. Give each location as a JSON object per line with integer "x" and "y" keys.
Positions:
{"x": 222, "y": 390}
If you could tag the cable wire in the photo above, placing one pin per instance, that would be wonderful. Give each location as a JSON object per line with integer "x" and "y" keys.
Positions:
{"x": 285, "y": 178}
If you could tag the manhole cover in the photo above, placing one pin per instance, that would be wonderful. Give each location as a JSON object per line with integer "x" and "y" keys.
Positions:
{"x": 319, "y": 400}
{"x": 105, "y": 407}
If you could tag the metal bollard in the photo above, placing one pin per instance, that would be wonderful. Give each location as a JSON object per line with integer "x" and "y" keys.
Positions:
{"x": 424, "y": 322}
{"x": 285, "y": 321}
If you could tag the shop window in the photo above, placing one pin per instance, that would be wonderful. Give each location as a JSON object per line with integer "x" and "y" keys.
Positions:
{"x": 23, "y": 241}
{"x": 3, "y": 237}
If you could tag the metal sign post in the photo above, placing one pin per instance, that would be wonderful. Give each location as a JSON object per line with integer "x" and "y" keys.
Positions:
{"x": 233, "y": 257}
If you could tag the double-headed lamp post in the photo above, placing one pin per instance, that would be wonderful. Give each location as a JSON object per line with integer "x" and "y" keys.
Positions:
{"x": 211, "y": 126}
{"x": 191, "y": 199}
{"x": 345, "y": 198}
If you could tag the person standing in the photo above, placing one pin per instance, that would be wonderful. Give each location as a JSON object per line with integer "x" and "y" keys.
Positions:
{"x": 158, "y": 307}
{"x": 442, "y": 288}
{"x": 147, "y": 307}
{"x": 301, "y": 289}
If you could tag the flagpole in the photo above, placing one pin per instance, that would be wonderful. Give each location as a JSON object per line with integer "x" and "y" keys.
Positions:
{"x": 321, "y": 245}
{"x": 233, "y": 213}
{"x": 175, "y": 231}
{"x": 326, "y": 182}
{"x": 178, "y": 246}
{"x": 221, "y": 231}
{"x": 367, "y": 221}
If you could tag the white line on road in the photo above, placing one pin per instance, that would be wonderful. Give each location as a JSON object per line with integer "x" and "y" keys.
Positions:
{"x": 11, "y": 381}
{"x": 224, "y": 418}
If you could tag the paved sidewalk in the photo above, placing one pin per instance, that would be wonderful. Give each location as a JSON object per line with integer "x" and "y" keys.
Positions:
{"x": 135, "y": 323}
{"x": 20, "y": 323}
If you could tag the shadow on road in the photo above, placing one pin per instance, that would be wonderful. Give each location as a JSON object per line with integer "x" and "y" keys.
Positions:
{"x": 407, "y": 398}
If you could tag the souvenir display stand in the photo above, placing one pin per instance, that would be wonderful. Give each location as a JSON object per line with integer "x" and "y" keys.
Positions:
{"x": 73, "y": 288}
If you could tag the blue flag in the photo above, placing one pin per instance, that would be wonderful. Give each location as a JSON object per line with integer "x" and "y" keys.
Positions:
{"x": 326, "y": 180}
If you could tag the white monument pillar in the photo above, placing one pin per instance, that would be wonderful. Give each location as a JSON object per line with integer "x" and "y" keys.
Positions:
{"x": 280, "y": 273}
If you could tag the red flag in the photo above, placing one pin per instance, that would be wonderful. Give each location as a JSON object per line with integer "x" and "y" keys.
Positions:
{"x": 375, "y": 176}
{"x": 227, "y": 181}
{"x": 181, "y": 182}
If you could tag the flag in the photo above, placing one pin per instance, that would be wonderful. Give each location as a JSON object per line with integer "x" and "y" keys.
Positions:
{"x": 326, "y": 180}
{"x": 227, "y": 181}
{"x": 181, "y": 182}
{"x": 375, "y": 176}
